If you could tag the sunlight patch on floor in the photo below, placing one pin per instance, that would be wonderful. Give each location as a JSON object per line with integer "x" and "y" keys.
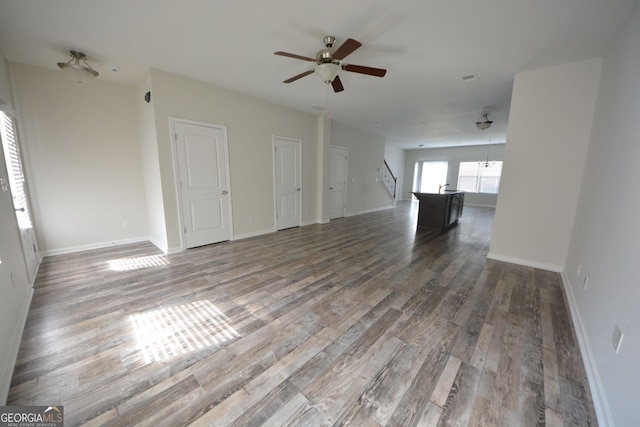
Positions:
{"x": 137, "y": 263}
{"x": 167, "y": 332}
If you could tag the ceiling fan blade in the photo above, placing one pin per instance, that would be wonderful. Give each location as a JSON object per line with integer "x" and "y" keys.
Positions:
{"x": 337, "y": 84}
{"x": 378, "y": 72}
{"x": 346, "y": 49}
{"x": 299, "y": 76}
{"x": 293, "y": 55}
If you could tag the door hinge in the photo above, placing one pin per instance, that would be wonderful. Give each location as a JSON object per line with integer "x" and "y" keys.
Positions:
{"x": 185, "y": 229}
{"x": 175, "y": 135}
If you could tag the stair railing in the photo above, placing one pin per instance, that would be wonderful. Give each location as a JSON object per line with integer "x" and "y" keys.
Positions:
{"x": 389, "y": 180}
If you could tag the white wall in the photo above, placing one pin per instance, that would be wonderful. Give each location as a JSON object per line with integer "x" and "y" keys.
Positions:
{"x": 98, "y": 155}
{"x": 606, "y": 235}
{"x": 84, "y": 160}
{"x": 251, "y": 124}
{"x": 15, "y": 288}
{"x": 453, "y": 155}
{"x": 550, "y": 120}
{"x": 365, "y": 191}
{"x": 147, "y": 138}
{"x": 324, "y": 167}
{"x": 5, "y": 83}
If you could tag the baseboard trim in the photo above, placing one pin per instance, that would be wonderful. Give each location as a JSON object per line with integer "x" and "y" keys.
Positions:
{"x": 254, "y": 234}
{"x": 160, "y": 245}
{"x": 525, "y": 262}
{"x": 479, "y": 205}
{"x": 600, "y": 403}
{"x": 314, "y": 222}
{"x": 100, "y": 245}
{"x": 346, "y": 215}
{"x": 6, "y": 371}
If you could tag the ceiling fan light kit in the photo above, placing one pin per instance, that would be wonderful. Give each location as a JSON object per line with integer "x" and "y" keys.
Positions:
{"x": 77, "y": 71}
{"x": 327, "y": 71}
{"x": 329, "y": 63}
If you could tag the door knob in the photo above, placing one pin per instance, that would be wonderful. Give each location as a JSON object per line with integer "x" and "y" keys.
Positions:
{"x": 330, "y": 188}
{"x": 225, "y": 192}
{"x": 298, "y": 189}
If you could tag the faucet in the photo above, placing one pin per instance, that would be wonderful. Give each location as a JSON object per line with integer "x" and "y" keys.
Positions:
{"x": 442, "y": 186}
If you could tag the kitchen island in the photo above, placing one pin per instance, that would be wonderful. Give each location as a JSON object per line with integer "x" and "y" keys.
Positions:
{"x": 440, "y": 210}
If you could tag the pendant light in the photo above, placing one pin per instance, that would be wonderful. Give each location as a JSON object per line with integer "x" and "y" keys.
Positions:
{"x": 484, "y": 124}
{"x": 486, "y": 163}
{"x": 76, "y": 71}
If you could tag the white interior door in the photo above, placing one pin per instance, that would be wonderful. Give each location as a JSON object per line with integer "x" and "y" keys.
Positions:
{"x": 201, "y": 153}
{"x": 288, "y": 182}
{"x": 338, "y": 182}
{"x": 18, "y": 186}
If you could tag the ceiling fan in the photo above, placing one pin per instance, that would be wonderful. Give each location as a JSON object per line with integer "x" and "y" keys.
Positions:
{"x": 328, "y": 63}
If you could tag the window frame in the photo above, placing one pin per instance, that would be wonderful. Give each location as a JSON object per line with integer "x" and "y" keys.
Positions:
{"x": 480, "y": 178}
{"x": 418, "y": 171}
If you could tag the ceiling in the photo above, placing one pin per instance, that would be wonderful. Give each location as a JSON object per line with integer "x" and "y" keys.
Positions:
{"x": 426, "y": 46}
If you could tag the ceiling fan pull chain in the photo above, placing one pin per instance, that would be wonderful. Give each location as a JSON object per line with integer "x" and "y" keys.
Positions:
{"x": 326, "y": 105}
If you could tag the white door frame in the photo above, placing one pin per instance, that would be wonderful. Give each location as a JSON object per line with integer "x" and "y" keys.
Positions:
{"x": 275, "y": 204}
{"x": 28, "y": 239}
{"x": 176, "y": 173}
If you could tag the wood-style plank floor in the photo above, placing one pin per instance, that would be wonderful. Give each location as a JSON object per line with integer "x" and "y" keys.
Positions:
{"x": 366, "y": 321}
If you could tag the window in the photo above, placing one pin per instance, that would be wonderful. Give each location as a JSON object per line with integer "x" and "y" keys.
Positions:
{"x": 479, "y": 177}
{"x": 14, "y": 170}
{"x": 429, "y": 176}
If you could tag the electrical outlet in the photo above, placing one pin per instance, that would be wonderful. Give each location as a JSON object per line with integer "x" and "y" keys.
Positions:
{"x": 586, "y": 282}
{"x": 125, "y": 223}
{"x": 616, "y": 339}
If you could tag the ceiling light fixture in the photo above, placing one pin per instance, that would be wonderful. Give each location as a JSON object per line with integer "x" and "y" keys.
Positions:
{"x": 75, "y": 70}
{"x": 327, "y": 71}
{"x": 485, "y": 124}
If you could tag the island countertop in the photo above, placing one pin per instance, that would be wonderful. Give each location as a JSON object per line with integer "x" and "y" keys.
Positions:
{"x": 442, "y": 193}
{"x": 440, "y": 210}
